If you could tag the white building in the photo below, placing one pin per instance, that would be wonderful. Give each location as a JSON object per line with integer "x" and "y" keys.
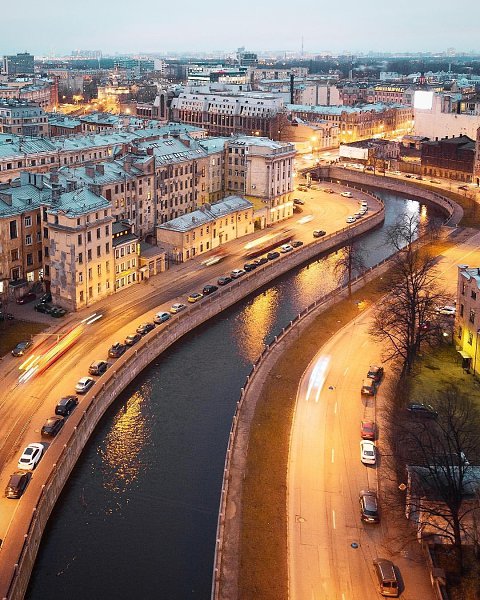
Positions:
{"x": 434, "y": 116}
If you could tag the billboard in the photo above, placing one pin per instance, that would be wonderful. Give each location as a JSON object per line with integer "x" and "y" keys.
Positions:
{"x": 353, "y": 152}
{"x": 423, "y": 100}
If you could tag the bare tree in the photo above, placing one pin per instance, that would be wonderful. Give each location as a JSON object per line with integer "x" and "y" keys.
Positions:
{"x": 406, "y": 315}
{"x": 350, "y": 263}
{"x": 441, "y": 452}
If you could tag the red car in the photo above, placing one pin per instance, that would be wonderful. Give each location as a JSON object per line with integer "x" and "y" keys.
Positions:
{"x": 367, "y": 430}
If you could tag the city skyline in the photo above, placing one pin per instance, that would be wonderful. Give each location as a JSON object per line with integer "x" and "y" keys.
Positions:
{"x": 112, "y": 28}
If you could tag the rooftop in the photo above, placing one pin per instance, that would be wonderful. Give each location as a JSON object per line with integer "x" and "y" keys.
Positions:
{"x": 79, "y": 202}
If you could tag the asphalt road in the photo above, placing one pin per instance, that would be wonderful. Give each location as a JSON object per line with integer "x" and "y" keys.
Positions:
{"x": 325, "y": 473}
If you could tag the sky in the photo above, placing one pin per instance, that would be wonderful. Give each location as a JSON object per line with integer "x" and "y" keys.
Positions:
{"x": 119, "y": 26}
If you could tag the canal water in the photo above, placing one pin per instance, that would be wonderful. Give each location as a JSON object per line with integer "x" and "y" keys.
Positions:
{"x": 138, "y": 518}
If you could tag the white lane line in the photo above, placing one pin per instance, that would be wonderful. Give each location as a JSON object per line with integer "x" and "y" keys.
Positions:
{"x": 334, "y": 522}
{"x": 346, "y": 371}
{"x": 335, "y": 408}
{"x": 333, "y": 455}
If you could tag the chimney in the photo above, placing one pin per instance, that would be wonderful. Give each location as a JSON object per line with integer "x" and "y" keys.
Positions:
{"x": 100, "y": 169}
{"x": 54, "y": 176}
{"x": 90, "y": 171}
{"x": 150, "y": 151}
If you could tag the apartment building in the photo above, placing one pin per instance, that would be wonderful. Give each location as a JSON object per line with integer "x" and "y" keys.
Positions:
{"x": 19, "y": 117}
{"x": 476, "y": 165}
{"x": 467, "y": 318}
{"x": 79, "y": 257}
{"x": 452, "y": 158}
{"x": 207, "y": 228}
{"x": 18, "y": 64}
{"x": 127, "y": 254}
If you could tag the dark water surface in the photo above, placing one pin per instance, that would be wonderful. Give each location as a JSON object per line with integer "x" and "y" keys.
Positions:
{"x": 138, "y": 518}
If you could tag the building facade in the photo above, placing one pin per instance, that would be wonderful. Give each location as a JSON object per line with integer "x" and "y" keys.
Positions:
{"x": 19, "y": 117}
{"x": 452, "y": 158}
{"x": 467, "y": 318}
{"x": 18, "y": 64}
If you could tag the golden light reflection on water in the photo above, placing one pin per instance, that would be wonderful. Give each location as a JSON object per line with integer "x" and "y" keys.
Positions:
{"x": 256, "y": 321}
{"x": 124, "y": 442}
{"x": 314, "y": 281}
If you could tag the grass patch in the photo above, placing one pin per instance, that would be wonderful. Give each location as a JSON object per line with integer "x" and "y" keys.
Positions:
{"x": 12, "y": 332}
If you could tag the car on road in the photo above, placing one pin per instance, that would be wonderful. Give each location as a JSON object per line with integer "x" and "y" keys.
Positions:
{"x": 422, "y": 410}
{"x": 368, "y": 452}
{"x": 303, "y": 188}
{"x": 296, "y": 244}
{"x": 298, "y": 201}
{"x": 446, "y": 310}
{"x": 236, "y": 273}
{"x": 116, "y": 350}
{"x": 273, "y": 255}
{"x": 47, "y": 297}
{"x": 375, "y": 373}
{"x": 177, "y": 307}
{"x": 363, "y": 210}
{"x": 367, "y": 430}
{"x": 420, "y": 178}
{"x": 329, "y": 191}
{"x": 284, "y": 248}
{"x": 43, "y": 307}
{"x": 386, "y": 577}
{"x": 250, "y": 266}
{"x": 195, "y": 297}
{"x": 52, "y": 426}
{"x": 66, "y": 406}
{"x": 351, "y": 219}
{"x": 369, "y": 506}
{"x": 209, "y": 289}
{"x": 31, "y": 456}
{"x": 346, "y": 194}
{"x": 463, "y": 187}
{"x": 224, "y": 280}
{"x": 84, "y": 384}
{"x": 358, "y": 215}
{"x": 161, "y": 317}
{"x": 21, "y": 348}
{"x": 27, "y": 297}
{"x": 368, "y": 387}
{"x": 264, "y": 260}
{"x": 132, "y": 339}
{"x": 144, "y": 328}
{"x": 17, "y": 484}
{"x": 98, "y": 367}
{"x": 318, "y": 233}
{"x": 57, "y": 312}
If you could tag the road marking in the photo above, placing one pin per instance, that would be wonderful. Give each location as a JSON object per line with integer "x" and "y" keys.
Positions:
{"x": 333, "y": 455}
{"x": 335, "y": 408}
{"x": 346, "y": 371}
{"x": 334, "y": 523}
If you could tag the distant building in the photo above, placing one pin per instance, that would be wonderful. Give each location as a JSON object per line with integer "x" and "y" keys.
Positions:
{"x": 19, "y": 117}
{"x": 18, "y": 64}
{"x": 440, "y": 115}
{"x": 452, "y": 158}
{"x": 476, "y": 166}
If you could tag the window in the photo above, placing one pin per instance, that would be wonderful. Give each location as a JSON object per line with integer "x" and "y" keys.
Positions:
{"x": 99, "y": 270}
{"x": 80, "y": 258}
{"x": 107, "y": 230}
{"x": 107, "y": 247}
{"x": 89, "y": 255}
{"x": 28, "y": 239}
{"x": 461, "y": 310}
{"x": 28, "y": 221}
{"x": 98, "y": 233}
{"x": 15, "y": 254}
{"x": 99, "y": 252}
{"x": 79, "y": 239}
{"x": 89, "y": 236}
{"x": 474, "y": 295}
{"x": 471, "y": 318}
{"x": 80, "y": 278}
{"x": 90, "y": 273}
{"x": 470, "y": 337}
{"x": 13, "y": 230}
{"x": 29, "y": 259}
{"x": 463, "y": 288}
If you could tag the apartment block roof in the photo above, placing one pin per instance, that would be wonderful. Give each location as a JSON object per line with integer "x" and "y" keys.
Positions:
{"x": 338, "y": 110}
{"x": 16, "y": 199}
{"x": 207, "y": 214}
{"x": 78, "y": 202}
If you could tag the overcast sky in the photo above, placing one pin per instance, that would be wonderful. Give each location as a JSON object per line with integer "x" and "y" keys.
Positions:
{"x": 60, "y": 26}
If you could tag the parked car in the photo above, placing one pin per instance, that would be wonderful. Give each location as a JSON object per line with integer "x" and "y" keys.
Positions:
{"x": 263, "y": 259}
{"x": 318, "y": 233}
{"x": 116, "y": 350}
{"x": 43, "y": 307}
{"x": 446, "y": 310}
{"x": 273, "y": 255}
{"x": 144, "y": 328}
{"x": 422, "y": 410}
{"x": 284, "y": 248}
{"x": 27, "y": 297}
{"x": 386, "y": 577}
{"x": 31, "y": 456}
{"x": 298, "y": 201}
{"x": 52, "y": 426}
{"x": 358, "y": 215}
{"x": 369, "y": 506}
{"x": 351, "y": 219}
{"x": 375, "y": 373}
{"x": 368, "y": 388}
{"x": 161, "y": 317}
{"x": 98, "y": 367}
{"x": 195, "y": 297}
{"x": 177, "y": 307}
{"x": 346, "y": 194}
{"x": 16, "y": 484}
{"x": 66, "y": 406}
{"x": 224, "y": 280}
{"x": 47, "y": 297}
{"x": 463, "y": 187}
{"x": 236, "y": 273}
{"x": 296, "y": 244}
{"x": 58, "y": 311}
{"x": 367, "y": 430}
{"x": 21, "y": 348}
{"x": 368, "y": 452}
{"x": 329, "y": 191}
{"x": 84, "y": 384}
{"x": 132, "y": 339}
{"x": 209, "y": 289}
{"x": 250, "y": 266}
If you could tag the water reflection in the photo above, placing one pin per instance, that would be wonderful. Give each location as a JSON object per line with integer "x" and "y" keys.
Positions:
{"x": 313, "y": 281}
{"x": 121, "y": 464}
{"x": 254, "y": 324}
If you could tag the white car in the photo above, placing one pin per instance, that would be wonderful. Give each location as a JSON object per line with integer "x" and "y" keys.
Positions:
{"x": 368, "y": 452}
{"x": 358, "y": 215}
{"x": 177, "y": 307}
{"x": 351, "y": 219}
{"x": 446, "y": 310}
{"x": 346, "y": 194}
{"x": 286, "y": 248}
{"x": 161, "y": 317}
{"x": 363, "y": 210}
{"x": 236, "y": 273}
{"x": 30, "y": 457}
{"x": 84, "y": 384}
